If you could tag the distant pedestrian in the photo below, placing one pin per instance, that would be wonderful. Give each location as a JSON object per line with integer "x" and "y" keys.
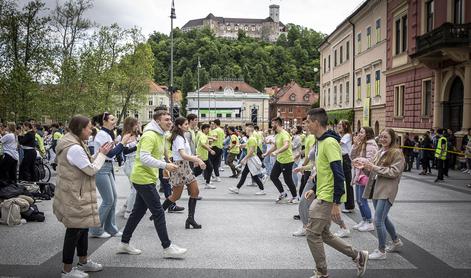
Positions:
{"x": 441, "y": 151}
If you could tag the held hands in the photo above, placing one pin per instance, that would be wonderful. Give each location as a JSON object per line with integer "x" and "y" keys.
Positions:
{"x": 309, "y": 194}
{"x": 106, "y": 148}
{"x": 298, "y": 170}
{"x": 201, "y": 164}
{"x": 171, "y": 167}
{"x": 368, "y": 165}
{"x": 127, "y": 138}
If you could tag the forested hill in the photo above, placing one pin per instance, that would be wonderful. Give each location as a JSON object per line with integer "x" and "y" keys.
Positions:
{"x": 293, "y": 57}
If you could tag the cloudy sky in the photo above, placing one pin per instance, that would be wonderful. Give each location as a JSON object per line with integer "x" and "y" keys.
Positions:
{"x": 152, "y": 15}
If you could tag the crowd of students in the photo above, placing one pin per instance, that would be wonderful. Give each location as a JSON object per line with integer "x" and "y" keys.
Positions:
{"x": 322, "y": 169}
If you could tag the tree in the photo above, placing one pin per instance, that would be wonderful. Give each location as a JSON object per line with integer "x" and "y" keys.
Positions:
{"x": 259, "y": 81}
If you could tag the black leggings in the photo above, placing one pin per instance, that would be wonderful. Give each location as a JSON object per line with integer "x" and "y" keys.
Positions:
{"x": 245, "y": 172}
{"x": 8, "y": 168}
{"x": 206, "y": 173}
{"x": 304, "y": 180}
{"x": 74, "y": 238}
{"x": 347, "y": 171}
{"x": 287, "y": 170}
{"x": 216, "y": 160}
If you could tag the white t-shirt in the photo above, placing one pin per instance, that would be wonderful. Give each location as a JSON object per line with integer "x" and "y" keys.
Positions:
{"x": 10, "y": 145}
{"x": 180, "y": 144}
{"x": 346, "y": 144}
{"x": 77, "y": 157}
{"x": 101, "y": 138}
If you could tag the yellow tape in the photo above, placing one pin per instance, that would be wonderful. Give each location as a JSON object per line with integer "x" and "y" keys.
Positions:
{"x": 428, "y": 149}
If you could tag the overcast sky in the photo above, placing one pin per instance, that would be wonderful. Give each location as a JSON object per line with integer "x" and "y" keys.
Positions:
{"x": 151, "y": 15}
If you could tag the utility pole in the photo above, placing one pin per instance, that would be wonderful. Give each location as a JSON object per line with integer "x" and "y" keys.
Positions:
{"x": 198, "y": 71}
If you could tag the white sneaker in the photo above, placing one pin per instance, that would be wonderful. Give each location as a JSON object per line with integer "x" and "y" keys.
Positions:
{"x": 282, "y": 199}
{"x": 103, "y": 235}
{"x": 261, "y": 192}
{"x": 294, "y": 201}
{"x": 221, "y": 169}
{"x": 209, "y": 186}
{"x": 357, "y": 226}
{"x": 217, "y": 179}
{"x": 342, "y": 233}
{"x": 234, "y": 190}
{"x": 251, "y": 184}
{"x": 377, "y": 255}
{"x": 300, "y": 232}
{"x": 173, "y": 251}
{"x": 126, "y": 215}
{"x": 367, "y": 227}
{"x": 90, "y": 266}
{"x": 125, "y": 248}
{"x": 265, "y": 178}
{"x": 118, "y": 234}
{"x": 74, "y": 273}
{"x": 394, "y": 246}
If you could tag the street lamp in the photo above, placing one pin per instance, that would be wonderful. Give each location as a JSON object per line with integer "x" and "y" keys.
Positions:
{"x": 198, "y": 70}
{"x": 172, "y": 17}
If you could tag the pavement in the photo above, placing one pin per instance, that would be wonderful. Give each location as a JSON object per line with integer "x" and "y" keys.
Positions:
{"x": 250, "y": 236}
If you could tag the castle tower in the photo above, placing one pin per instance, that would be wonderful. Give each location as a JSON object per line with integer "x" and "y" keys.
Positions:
{"x": 275, "y": 12}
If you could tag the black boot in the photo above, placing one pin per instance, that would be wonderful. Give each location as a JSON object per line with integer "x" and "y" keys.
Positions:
{"x": 190, "y": 221}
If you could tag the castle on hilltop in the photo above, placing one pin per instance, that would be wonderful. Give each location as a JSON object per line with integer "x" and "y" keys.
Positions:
{"x": 268, "y": 29}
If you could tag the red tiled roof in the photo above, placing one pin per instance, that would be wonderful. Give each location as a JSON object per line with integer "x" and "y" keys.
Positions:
{"x": 282, "y": 96}
{"x": 220, "y": 85}
{"x": 157, "y": 89}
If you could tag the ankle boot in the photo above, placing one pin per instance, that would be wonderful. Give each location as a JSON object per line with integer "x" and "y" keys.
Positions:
{"x": 190, "y": 221}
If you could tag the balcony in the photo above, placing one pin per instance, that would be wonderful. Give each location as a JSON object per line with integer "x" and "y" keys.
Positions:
{"x": 449, "y": 42}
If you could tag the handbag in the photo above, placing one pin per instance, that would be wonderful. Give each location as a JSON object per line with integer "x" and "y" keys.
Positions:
{"x": 363, "y": 179}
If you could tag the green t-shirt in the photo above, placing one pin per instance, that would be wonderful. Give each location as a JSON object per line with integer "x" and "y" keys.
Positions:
{"x": 286, "y": 156}
{"x": 251, "y": 143}
{"x": 235, "y": 149}
{"x": 153, "y": 143}
{"x": 328, "y": 151}
{"x": 201, "y": 152}
{"x": 57, "y": 135}
{"x": 220, "y": 135}
{"x": 259, "y": 137}
{"x": 308, "y": 143}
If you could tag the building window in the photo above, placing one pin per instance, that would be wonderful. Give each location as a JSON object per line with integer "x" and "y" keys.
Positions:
{"x": 341, "y": 93}
{"x": 228, "y": 115}
{"x": 359, "y": 42}
{"x": 335, "y": 58}
{"x": 359, "y": 88}
{"x": 427, "y": 98}
{"x": 236, "y": 28}
{"x": 458, "y": 12}
{"x": 341, "y": 55}
{"x": 377, "y": 83}
{"x": 325, "y": 96}
{"x": 237, "y": 115}
{"x": 347, "y": 91}
{"x": 368, "y": 36}
{"x": 401, "y": 34}
{"x": 325, "y": 63}
{"x": 328, "y": 97}
{"x": 246, "y": 28}
{"x": 219, "y": 115}
{"x": 150, "y": 114}
{"x": 290, "y": 109}
{"x": 229, "y": 28}
{"x": 429, "y": 16}
{"x": 203, "y": 115}
{"x": 378, "y": 30}
{"x": 292, "y": 97}
{"x": 335, "y": 95}
{"x": 368, "y": 85}
{"x": 329, "y": 62}
{"x": 306, "y": 97}
{"x": 151, "y": 101}
{"x": 399, "y": 101}
{"x": 347, "y": 51}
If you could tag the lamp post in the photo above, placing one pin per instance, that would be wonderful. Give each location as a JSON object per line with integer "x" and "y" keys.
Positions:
{"x": 172, "y": 17}
{"x": 198, "y": 72}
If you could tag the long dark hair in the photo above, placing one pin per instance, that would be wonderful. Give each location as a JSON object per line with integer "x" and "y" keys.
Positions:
{"x": 128, "y": 125}
{"x": 176, "y": 130}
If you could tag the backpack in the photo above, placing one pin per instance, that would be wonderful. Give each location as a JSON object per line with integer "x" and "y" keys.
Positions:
{"x": 33, "y": 214}
{"x": 10, "y": 215}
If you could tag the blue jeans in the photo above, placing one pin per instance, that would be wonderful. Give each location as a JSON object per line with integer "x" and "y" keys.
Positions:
{"x": 147, "y": 198}
{"x": 363, "y": 203}
{"x": 295, "y": 176}
{"x": 132, "y": 194}
{"x": 382, "y": 222}
{"x": 106, "y": 186}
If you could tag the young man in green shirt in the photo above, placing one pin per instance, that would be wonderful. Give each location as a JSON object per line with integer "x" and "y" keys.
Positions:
{"x": 234, "y": 151}
{"x": 202, "y": 151}
{"x": 149, "y": 157}
{"x": 251, "y": 147}
{"x": 330, "y": 192}
{"x": 284, "y": 162}
{"x": 218, "y": 144}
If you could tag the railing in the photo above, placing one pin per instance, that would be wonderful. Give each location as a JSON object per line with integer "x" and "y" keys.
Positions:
{"x": 447, "y": 35}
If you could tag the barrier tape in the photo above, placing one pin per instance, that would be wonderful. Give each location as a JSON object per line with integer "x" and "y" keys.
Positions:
{"x": 428, "y": 149}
